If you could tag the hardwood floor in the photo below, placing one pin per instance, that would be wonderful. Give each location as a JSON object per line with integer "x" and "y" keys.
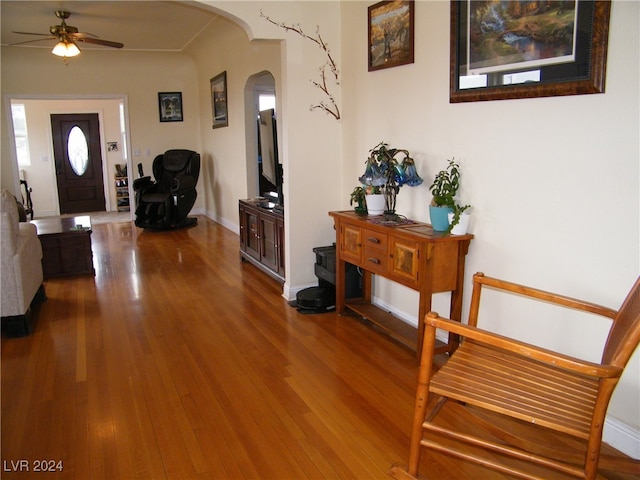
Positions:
{"x": 178, "y": 361}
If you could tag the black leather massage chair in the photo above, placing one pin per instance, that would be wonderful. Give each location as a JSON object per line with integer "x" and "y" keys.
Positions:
{"x": 164, "y": 203}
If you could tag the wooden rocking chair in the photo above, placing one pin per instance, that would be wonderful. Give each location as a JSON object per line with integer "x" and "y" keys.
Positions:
{"x": 498, "y": 377}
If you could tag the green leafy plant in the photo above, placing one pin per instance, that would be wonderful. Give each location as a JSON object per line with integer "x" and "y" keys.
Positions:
{"x": 457, "y": 211}
{"x": 445, "y": 185}
{"x": 358, "y": 196}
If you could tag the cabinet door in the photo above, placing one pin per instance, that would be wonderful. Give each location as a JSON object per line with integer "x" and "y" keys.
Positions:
{"x": 268, "y": 242}
{"x": 280, "y": 245}
{"x": 252, "y": 233}
{"x": 351, "y": 244}
{"x": 404, "y": 261}
{"x": 243, "y": 227}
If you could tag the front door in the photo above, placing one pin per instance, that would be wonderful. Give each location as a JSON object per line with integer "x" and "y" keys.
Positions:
{"x": 78, "y": 161}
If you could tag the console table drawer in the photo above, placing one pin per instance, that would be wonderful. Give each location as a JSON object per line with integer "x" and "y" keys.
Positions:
{"x": 376, "y": 253}
{"x": 374, "y": 240}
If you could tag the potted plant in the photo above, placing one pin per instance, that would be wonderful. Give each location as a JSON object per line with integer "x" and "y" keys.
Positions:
{"x": 459, "y": 219}
{"x": 444, "y": 189}
{"x": 375, "y": 200}
{"x": 358, "y": 196}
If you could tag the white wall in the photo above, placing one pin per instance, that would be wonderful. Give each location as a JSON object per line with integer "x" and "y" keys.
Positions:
{"x": 554, "y": 182}
{"x": 224, "y": 149}
{"x": 134, "y": 75}
{"x": 311, "y": 141}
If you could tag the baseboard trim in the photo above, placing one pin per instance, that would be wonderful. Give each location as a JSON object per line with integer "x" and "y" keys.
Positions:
{"x": 234, "y": 227}
{"x": 622, "y": 437}
{"x": 291, "y": 292}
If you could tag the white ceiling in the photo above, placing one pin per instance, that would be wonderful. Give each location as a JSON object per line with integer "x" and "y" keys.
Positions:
{"x": 140, "y": 25}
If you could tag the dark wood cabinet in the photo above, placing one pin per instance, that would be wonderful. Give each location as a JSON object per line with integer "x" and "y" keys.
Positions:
{"x": 66, "y": 246}
{"x": 262, "y": 238}
{"x": 410, "y": 253}
{"x": 250, "y": 231}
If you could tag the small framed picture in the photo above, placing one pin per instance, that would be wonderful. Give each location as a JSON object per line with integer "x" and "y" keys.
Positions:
{"x": 391, "y": 34}
{"x": 219, "y": 100}
{"x": 170, "y": 106}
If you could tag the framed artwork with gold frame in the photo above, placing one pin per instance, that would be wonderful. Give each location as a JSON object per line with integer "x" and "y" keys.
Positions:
{"x": 509, "y": 50}
{"x": 219, "y": 100}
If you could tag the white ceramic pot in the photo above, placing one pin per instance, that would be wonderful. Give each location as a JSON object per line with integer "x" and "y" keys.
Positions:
{"x": 462, "y": 225}
{"x": 375, "y": 204}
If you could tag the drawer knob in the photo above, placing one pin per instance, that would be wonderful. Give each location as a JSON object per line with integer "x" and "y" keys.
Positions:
{"x": 374, "y": 260}
{"x": 373, "y": 240}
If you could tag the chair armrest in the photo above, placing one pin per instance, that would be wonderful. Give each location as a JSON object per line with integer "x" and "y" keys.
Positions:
{"x": 183, "y": 183}
{"x": 574, "y": 303}
{"x": 433, "y": 321}
{"x": 142, "y": 183}
{"x": 27, "y": 229}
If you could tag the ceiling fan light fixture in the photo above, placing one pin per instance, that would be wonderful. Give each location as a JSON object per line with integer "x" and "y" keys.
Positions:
{"x": 65, "y": 49}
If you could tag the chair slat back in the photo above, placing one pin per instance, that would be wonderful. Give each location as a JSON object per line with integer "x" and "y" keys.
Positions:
{"x": 624, "y": 335}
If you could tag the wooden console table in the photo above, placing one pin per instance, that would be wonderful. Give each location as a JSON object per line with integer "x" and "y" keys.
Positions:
{"x": 410, "y": 253}
{"x": 66, "y": 249}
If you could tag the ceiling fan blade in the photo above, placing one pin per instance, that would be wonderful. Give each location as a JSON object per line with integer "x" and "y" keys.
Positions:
{"x": 31, "y": 41}
{"x": 31, "y": 33}
{"x": 80, "y": 35}
{"x": 99, "y": 41}
{"x": 68, "y": 33}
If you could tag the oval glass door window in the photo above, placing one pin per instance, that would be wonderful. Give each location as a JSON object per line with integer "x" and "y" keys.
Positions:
{"x": 78, "y": 151}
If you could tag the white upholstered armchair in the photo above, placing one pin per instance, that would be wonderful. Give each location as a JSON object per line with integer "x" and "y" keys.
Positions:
{"x": 21, "y": 275}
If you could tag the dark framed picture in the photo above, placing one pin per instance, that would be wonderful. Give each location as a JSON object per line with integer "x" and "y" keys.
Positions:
{"x": 170, "y": 106}
{"x": 219, "y": 100}
{"x": 521, "y": 49}
{"x": 391, "y": 34}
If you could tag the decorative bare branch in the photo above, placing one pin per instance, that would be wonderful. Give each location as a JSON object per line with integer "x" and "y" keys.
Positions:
{"x": 332, "y": 107}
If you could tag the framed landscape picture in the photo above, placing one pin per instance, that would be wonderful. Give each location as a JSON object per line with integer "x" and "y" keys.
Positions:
{"x": 170, "y": 106}
{"x": 519, "y": 49}
{"x": 219, "y": 100}
{"x": 391, "y": 34}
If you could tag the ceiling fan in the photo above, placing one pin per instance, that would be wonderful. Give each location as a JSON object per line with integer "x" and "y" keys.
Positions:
{"x": 67, "y": 36}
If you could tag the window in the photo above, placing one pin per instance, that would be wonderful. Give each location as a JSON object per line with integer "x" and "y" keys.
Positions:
{"x": 123, "y": 132}
{"x": 19, "y": 116}
{"x": 78, "y": 151}
{"x": 266, "y": 101}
